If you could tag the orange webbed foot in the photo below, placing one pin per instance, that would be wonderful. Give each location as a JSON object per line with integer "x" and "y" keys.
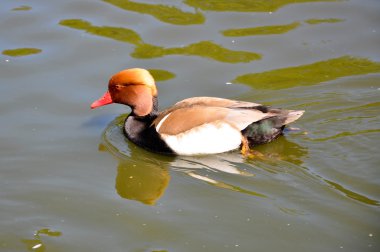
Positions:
{"x": 247, "y": 152}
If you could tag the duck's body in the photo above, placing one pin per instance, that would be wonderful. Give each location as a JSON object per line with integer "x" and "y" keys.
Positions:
{"x": 198, "y": 125}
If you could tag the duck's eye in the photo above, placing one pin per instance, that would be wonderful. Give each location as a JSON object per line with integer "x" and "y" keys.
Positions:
{"x": 118, "y": 86}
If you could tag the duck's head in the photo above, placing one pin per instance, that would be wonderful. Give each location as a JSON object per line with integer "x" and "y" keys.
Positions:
{"x": 134, "y": 87}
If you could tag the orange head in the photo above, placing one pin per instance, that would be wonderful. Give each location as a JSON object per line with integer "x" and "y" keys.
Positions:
{"x": 134, "y": 87}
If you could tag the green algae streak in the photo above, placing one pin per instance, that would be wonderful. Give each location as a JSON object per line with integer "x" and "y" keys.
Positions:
{"x": 21, "y": 52}
{"x": 164, "y": 13}
{"x": 311, "y": 74}
{"x": 246, "y": 5}
{"x": 206, "y": 49}
{"x": 261, "y": 30}
{"x": 116, "y": 33}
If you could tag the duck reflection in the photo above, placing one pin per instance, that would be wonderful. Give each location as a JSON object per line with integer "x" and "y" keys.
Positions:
{"x": 145, "y": 184}
{"x": 140, "y": 177}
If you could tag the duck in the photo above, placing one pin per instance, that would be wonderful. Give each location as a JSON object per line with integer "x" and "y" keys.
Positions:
{"x": 193, "y": 126}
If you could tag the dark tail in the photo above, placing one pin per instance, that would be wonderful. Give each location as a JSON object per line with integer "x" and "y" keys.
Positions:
{"x": 268, "y": 129}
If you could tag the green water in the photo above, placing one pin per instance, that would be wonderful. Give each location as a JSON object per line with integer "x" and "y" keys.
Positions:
{"x": 70, "y": 181}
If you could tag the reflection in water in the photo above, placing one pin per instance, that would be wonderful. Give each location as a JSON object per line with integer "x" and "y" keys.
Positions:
{"x": 311, "y": 74}
{"x": 283, "y": 150}
{"x": 246, "y": 5}
{"x": 138, "y": 178}
{"x": 206, "y": 49}
{"x": 21, "y": 52}
{"x": 225, "y": 185}
{"x": 224, "y": 162}
{"x": 164, "y": 13}
{"x": 261, "y": 30}
{"x": 36, "y": 243}
{"x": 145, "y": 183}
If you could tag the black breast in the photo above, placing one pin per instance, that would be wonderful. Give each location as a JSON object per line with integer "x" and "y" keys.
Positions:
{"x": 139, "y": 131}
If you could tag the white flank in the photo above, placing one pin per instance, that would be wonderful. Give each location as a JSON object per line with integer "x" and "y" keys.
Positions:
{"x": 208, "y": 138}
{"x": 161, "y": 122}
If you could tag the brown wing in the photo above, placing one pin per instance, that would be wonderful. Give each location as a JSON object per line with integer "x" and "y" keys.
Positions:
{"x": 183, "y": 119}
{"x": 205, "y": 102}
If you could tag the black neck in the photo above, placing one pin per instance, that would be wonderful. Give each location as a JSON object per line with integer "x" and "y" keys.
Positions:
{"x": 139, "y": 130}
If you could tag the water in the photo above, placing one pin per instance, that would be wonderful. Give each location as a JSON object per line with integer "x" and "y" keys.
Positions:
{"x": 71, "y": 182}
